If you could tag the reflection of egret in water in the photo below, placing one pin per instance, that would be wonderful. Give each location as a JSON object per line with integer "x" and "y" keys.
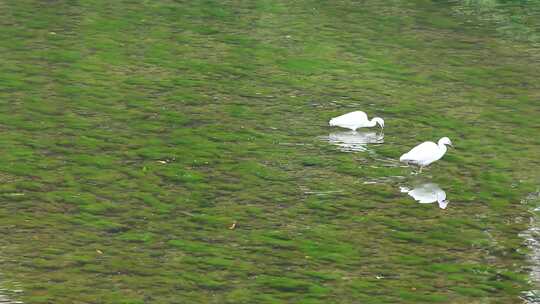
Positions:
{"x": 427, "y": 193}
{"x": 354, "y": 141}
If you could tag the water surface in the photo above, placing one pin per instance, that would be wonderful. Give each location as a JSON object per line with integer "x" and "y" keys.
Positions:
{"x": 135, "y": 133}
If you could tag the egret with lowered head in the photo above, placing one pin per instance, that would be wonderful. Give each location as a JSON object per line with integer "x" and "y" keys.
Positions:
{"x": 355, "y": 120}
{"x": 426, "y": 153}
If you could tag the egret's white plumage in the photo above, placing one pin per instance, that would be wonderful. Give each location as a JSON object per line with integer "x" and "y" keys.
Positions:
{"x": 427, "y": 193}
{"x": 426, "y": 153}
{"x": 353, "y": 141}
{"x": 355, "y": 120}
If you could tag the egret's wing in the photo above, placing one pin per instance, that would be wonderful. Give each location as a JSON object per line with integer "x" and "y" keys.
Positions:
{"x": 423, "y": 151}
{"x": 349, "y": 118}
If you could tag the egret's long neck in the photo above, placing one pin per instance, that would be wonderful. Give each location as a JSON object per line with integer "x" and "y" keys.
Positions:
{"x": 442, "y": 148}
{"x": 372, "y": 122}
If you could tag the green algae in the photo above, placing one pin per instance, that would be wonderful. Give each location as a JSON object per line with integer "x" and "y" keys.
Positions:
{"x": 136, "y": 133}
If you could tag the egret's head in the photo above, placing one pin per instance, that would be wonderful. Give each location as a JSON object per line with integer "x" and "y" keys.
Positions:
{"x": 441, "y": 199}
{"x": 443, "y": 204}
{"x": 379, "y": 121}
{"x": 445, "y": 141}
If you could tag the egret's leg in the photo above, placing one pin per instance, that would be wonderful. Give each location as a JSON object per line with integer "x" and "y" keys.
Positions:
{"x": 420, "y": 169}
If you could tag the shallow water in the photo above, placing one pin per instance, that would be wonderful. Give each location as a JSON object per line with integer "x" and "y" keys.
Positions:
{"x": 170, "y": 151}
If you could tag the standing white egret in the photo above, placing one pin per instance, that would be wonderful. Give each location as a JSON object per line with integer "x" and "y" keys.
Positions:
{"x": 355, "y": 120}
{"x": 426, "y": 153}
{"x": 427, "y": 193}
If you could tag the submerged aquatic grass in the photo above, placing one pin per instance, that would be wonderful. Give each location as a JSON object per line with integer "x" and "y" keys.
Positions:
{"x": 135, "y": 134}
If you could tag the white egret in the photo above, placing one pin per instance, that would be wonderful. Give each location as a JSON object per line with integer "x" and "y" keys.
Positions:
{"x": 353, "y": 141}
{"x": 355, "y": 120}
{"x": 427, "y": 193}
{"x": 426, "y": 153}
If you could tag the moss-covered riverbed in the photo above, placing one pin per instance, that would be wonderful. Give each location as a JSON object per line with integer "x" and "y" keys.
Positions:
{"x": 135, "y": 133}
